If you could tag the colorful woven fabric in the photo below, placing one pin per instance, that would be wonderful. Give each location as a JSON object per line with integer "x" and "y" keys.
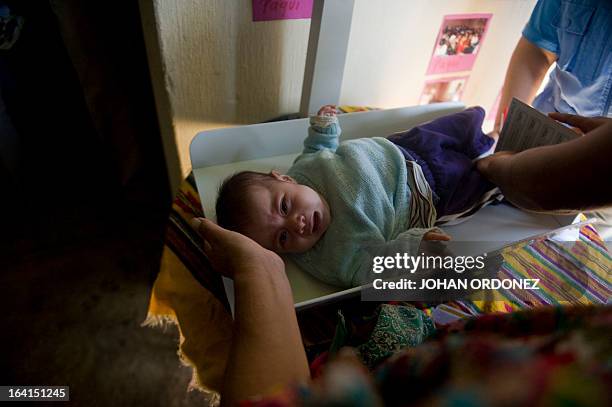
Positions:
{"x": 397, "y": 327}
{"x": 546, "y": 356}
{"x": 186, "y": 243}
{"x": 570, "y": 273}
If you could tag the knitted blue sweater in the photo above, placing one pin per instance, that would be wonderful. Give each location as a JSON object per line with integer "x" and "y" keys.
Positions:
{"x": 364, "y": 181}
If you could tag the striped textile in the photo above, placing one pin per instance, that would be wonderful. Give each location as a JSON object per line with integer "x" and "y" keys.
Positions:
{"x": 489, "y": 197}
{"x": 422, "y": 208}
{"x": 569, "y": 274}
{"x": 185, "y": 243}
{"x": 577, "y": 273}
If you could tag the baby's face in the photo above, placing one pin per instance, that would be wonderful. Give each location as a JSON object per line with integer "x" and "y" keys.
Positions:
{"x": 286, "y": 217}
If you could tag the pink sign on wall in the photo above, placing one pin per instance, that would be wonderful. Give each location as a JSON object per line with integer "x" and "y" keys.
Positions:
{"x": 458, "y": 42}
{"x": 264, "y": 10}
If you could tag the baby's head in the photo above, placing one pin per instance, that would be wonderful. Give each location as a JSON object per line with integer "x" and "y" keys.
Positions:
{"x": 274, "y": 210}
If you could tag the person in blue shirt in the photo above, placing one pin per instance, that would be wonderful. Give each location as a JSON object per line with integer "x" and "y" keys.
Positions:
{"x": 575, "y": 37}
{"x": 341, "y": 204}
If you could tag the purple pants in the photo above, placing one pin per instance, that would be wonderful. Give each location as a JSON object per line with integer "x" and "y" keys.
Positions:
{"x": 445, "y": 148}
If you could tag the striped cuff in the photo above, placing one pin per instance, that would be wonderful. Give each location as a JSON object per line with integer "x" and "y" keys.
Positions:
{"x": 323, "y": 121}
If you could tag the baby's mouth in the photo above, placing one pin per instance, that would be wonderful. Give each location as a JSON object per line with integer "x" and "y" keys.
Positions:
{"x": 316, "y": 220}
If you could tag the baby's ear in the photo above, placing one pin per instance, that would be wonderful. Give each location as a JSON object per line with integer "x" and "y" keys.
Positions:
{"x": 282, "y": 177}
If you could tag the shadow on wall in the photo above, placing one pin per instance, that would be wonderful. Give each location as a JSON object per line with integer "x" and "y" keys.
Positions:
{"x": 259, "y": 70}
{"x": 220, "y": 66}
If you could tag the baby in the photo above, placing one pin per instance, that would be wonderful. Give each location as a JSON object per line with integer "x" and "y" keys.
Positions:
{"x": 340, "y": 202}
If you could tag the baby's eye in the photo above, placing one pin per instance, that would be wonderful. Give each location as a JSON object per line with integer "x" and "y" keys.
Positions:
{"x": 282, "y": 238}
{"x": 283, "y": 207}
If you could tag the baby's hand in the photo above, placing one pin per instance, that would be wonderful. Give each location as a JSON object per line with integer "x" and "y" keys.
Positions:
{"x": 436, "y": 236}
{"x": 327, "y": 110}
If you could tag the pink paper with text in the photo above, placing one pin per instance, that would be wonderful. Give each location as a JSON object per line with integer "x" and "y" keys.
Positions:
{"x": 265, "y": 10}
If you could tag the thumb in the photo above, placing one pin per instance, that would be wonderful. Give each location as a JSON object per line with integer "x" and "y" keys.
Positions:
{"x": 484, "y": 164}
{"x": 208, "y": 229}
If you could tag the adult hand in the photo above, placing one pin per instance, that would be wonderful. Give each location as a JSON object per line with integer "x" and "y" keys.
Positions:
{"x": 584, "y": 124}
{"x": 232, "y": 253}
{"x": 495, "y": 166}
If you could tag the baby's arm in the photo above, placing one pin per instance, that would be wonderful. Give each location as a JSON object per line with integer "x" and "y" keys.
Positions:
{"x": 324, "y": 131}
{"x": 411, "y": 242}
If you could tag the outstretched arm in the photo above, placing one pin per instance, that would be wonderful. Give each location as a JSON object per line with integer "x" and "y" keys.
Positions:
{"x": 267, "y": 350}
{"x": 568, "y": 177}
{"x": 525, "y": 73}
{"x": 324, "y": 131}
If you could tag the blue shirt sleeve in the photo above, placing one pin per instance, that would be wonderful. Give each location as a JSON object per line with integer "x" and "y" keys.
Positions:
{"x": 539, "y": 29}
{"x": 323, "y": 133}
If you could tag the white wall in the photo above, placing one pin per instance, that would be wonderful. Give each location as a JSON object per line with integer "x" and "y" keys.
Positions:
{"x": 392, "y": 41}
{"x": 212, "y": 66}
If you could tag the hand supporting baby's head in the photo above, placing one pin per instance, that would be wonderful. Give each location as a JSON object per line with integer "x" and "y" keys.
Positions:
{"x": 274, "y": 210}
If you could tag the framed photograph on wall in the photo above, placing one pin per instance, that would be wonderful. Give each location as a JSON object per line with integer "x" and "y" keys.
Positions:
{"x": 443, "y": 90}
{"x": 458, "y": 42}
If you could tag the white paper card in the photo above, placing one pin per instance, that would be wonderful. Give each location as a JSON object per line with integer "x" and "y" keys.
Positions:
{"x": 526, "y": 128}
